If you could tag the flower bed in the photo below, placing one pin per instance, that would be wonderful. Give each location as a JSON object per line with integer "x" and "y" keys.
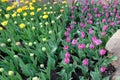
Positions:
{"x": 56, "y": 42}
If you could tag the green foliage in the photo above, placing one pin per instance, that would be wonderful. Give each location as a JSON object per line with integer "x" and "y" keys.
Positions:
{"x": 32, "y": 40}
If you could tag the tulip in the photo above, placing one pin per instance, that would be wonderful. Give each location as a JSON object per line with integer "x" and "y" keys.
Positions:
{"x": 102, "y": 69}
{"x": 102, "y": 52}
{"x": 85, "y": 62}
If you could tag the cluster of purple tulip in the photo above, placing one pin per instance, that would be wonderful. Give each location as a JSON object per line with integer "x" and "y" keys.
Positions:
{"x": 109, "y": 16}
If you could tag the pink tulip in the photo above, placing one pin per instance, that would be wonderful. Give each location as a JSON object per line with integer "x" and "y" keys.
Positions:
{"x": 85, "y": 62}
{"x": 67, "y": 55}
{"x": 81, "y": 46}
{"x": 96, "y": 41}
{"x": 103, "y": 20}
{"x": 95, "y": 10}
{"x": 89, "y": 21}
{"x": 66, "y": 60}
{"x": 105, "y": 28}
{"x": 66, "y": 47}
{"x": 68, "y": 29}
{"x": 92, "y": 2}
{"x": 112, "y": 24}
{"x": 72, "y": 16}
{"x": 68, "y": 39}
{"x": 66, "y": 33}
{"x": 73, "y": 1}
{"x": 74, "y": 42}
{"x": 111, "y": 14}
{"x": 102, "y": 33}
{"x": 102, "y": 52}
{"x": 102, "y": 69}
{"x": 90, "y": 31}
{"x": 91, "y": 46}
{"x": 81, "y": 24}
{"x": 84, "y": 26}
{"x": 118, "y": 22}
{"x": 82, "y": 34}
{"x": 105, "y": 7}
{"x": 107, "y": 14}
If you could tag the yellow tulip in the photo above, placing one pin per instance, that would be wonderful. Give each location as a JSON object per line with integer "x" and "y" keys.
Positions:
{"x": 14, "y": 15}
{"x": 39, "y": 9}
{"x": 0, "y": 10}
{"x": 45, "y": 8}
{"x": 4, "y": 0}
{"x": 25, "y": 14}
{"x": 32, "y": 8}
{"x": 13, "y": 6}
{"x": 1, "y": 28}
{"x": 32, "y": 13}
{"x": 54, "y": 2}
{"x": 19, "y": 10}
{"x": 64, "y": 2}
{"x": 26, "y": 2}
{"x": 22, "y": 25}
{"x": 33, "y": 1}
{"x": 4, "y": 23}
{"x": 24, "y": 8}
{"x": 8, "y": 8}
{"x": 30, "y": 4}
{"x": 45, "y": 13}
{"x": 7, "y": 16}
{"x": 44, "y": 5}
{"x": 15, "y": 3}
{"x": 45, "y": 16}
{"x": 21, "y": 1}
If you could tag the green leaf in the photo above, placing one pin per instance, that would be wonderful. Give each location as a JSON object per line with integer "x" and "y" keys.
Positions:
{"x": 43, "y": 76}
{"x": 114, "y": 58}
{"x": 18, "y": 76}
{"x": 107, "y": 78}
{"x": 108, "y": 61}
{"x": 95, "y": 76}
